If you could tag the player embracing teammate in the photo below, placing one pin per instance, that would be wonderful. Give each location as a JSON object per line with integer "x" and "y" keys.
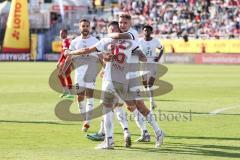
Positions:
{"x": 127, "y": 60}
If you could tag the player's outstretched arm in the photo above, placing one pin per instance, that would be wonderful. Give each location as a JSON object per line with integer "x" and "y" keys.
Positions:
{"x": 140, "y": 54}
{"x": 81, "y": 51}
{"x": 124, "y": 35}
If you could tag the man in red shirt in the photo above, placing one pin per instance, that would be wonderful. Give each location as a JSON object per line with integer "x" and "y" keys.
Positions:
{"x": 65, "y": 80}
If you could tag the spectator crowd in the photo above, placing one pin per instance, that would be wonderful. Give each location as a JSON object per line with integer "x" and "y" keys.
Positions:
{"x": 178, "y": 18}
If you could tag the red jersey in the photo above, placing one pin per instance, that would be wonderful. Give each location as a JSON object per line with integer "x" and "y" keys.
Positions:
{"x": 65, "y": 45}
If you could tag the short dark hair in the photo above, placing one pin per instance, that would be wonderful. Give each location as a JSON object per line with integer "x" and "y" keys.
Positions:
{"x": 64, "y": 30}
{"x": 84, "y": 20}
{"x": 148, "y": 27}
{"x": 113, "y": 23}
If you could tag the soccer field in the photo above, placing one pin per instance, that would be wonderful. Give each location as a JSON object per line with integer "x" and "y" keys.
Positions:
{"x": 29, "y": 128}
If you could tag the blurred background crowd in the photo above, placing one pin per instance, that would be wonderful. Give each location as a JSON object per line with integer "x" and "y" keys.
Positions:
{"x": 177, "y": 18}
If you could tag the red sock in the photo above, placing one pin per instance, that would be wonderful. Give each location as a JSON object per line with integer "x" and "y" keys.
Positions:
{"x": 69, "y": 82}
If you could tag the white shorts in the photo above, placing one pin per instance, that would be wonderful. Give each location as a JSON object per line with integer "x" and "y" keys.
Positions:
{"x": 113, "y": 92}
{"x": 135, "y": 83}
{"x": 83, "y": 79}
{"x": 86, "y": 72}
{"x": 134, "y": 89}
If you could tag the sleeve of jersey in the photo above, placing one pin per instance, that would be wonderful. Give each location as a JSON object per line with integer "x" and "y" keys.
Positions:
{"x": 100, "y": 46}
{"x": 71, "y": 46}
{"x": 133, "y": 38}
{"x": 135, "y": 46}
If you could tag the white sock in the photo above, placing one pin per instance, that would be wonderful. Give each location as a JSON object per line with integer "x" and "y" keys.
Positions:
{"x": 150, "y": 94}
{"x": 122, "y": 117}
{"x": 140, "y": 120}
{"x": 108, "y": 122}
{"x": 101, "y": 130}
{"x": 89, "y": 107}
{"x": 151, "y": 99}
{"x": 82, "y": 107}
{"x": 152, "y": 121}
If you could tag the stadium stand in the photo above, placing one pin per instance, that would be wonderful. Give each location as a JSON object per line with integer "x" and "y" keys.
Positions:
{"x": 216, "y": 19}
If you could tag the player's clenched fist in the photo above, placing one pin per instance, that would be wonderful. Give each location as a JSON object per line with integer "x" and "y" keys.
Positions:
{"x": 108, "y": 57}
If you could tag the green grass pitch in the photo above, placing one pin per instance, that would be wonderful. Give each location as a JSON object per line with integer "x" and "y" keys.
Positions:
{"x": 29, "y": 128}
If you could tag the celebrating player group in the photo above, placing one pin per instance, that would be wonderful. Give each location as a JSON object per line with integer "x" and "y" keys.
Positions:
{"x": 122, "y": 56}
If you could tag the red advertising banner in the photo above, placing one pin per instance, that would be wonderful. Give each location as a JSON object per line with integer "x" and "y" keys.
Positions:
{"x": 217, "y": 59}
{"x": 179, "y": 58}
{"x": 56, "y": 8}
{"x": 202, "y": 58}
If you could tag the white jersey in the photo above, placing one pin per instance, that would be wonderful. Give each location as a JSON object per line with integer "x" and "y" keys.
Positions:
{"x": 133, "y": 33}
{"x": 149, "y": 48}
{"x": 118, "y": 68}
{"x": 79, "y": 43}
{"x": 134, "y": 59}
{"x": 86, "y": 65}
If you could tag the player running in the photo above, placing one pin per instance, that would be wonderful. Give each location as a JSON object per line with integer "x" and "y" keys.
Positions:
{"x": 65, "y": 80}
{"x": 149, "y": 46}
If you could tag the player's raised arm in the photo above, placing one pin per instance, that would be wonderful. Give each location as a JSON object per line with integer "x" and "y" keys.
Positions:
{"x": 81, "y": 51}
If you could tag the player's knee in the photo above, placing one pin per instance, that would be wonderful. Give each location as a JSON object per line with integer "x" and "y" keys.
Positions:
{"x": 80, "y": 98}
{"x": 130, "y": 105}
{"x": 108, "y": 105}
{"x": 89, "y": 93}
{"x": 142, "y": 107}
{"x": 131, "y": 108}
{"x": 143, "y": 110}
{"x": 139, "y": 102}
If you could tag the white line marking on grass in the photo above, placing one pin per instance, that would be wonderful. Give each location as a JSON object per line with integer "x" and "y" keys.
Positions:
{"x": 223, "y": 109}
{"x": 38, "y": 121}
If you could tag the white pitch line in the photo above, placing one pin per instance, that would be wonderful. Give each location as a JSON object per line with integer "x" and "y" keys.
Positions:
{"x": 223, "y": 109}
